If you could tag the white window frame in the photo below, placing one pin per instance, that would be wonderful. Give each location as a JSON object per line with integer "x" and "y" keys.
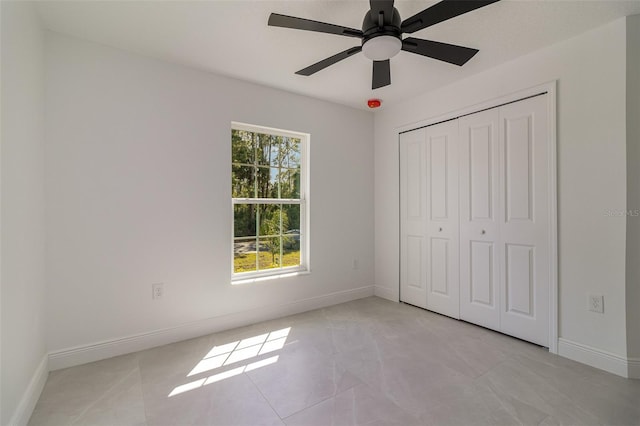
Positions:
{"x": 304, "y": 267}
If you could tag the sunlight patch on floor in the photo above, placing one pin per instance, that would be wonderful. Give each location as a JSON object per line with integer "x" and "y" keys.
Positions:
{"x": 232, "y": 353}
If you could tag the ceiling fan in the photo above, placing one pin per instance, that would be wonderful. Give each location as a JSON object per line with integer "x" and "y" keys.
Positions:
{"x": 381, "y": 35}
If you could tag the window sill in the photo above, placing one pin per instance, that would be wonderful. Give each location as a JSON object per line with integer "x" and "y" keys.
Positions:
{"x": 250, "y": 279}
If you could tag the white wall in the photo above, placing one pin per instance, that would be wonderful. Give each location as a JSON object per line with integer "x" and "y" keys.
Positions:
{"x": 138, "y": 192}
{"x": 590, "y": 70}
{"x": 23, "y": 290}
{"x": 633, "y": 186}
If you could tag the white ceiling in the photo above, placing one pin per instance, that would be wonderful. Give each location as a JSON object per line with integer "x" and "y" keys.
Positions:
{"x": 232, "y": 38}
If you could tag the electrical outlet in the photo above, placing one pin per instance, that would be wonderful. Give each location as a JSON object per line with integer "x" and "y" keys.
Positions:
{"x": 157, "y": 291}
{"x": 354, "y": 263}
{"x": 596, "y": 303}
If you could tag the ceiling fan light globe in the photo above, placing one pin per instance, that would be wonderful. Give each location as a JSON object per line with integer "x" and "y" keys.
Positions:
{"x": 382, "y": 47}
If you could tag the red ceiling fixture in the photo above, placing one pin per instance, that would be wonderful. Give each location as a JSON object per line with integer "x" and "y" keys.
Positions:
{"x": 374, "y": 103}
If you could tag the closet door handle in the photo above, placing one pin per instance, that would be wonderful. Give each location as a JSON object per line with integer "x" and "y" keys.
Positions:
{"x": 439, "y": 229}
{"x": 483, "y": 232}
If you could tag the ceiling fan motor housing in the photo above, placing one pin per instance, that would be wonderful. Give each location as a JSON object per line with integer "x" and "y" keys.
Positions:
{"x": 382, "y": 36}
{"x": 371, "y": 27}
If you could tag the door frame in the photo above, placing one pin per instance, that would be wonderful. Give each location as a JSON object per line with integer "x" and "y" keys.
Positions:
{"x": 550, "y": 89}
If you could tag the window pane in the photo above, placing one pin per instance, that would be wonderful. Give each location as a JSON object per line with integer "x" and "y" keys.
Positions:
{"x": 244, "y": 220}
{"x": 291, "y": 219}
{"x": 268, "y": 149}
{"x": 270, "y": 219}
{"x": 244, "y": 255}
{"x": 267, "y": 182}
{"x": 242, "y": 147}
{"x": 269, "y": 253}
{"x": 290, "y": 250}
{"x": 276, "y": 142}
{"x": 291, "y": 235}
{"x": 289, "y": 183}
{"x": 291, "y": 153}
{"x": 243, "y": 181}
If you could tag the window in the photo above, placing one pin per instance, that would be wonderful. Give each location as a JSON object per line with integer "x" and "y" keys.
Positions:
{"x": 269, "y": 190}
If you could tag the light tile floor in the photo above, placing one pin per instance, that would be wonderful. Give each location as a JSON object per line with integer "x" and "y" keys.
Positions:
{"x": 370, "y": 362}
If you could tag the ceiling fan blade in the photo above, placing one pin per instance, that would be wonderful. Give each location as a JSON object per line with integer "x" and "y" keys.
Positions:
{"x": 381, "y": 74}
{"x": 451, "y": 53}
{"x": 446, "y": 9}
{"x": 384, "y": 7}
{"x": 277, "y": 20}
{"x": 319, "y": 66}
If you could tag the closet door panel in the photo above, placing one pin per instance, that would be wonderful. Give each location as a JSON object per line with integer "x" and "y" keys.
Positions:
{"x": 518, "y": 156}
{"x": 439, "y": 146}
{"x": 413, "y": 217}
{"x": 481, "y": 277}
{"x": 440, "y": 264}
{"x": 442, "y": 226}
{"x": 479, "y": 232}
{"x": 519, "y": 280}
{"x": 480, "y": 170}
{"x": 525, "y": 220}
{"x": 414, "y": 251}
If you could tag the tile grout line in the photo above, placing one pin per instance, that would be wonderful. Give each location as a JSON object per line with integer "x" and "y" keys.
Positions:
{"x": 264, "y": 397}
{"x": 104, "y": 395}
{"x": 144, "y": 404}
{"x": 585, "y": 408}
{"x": 323, "y": 400}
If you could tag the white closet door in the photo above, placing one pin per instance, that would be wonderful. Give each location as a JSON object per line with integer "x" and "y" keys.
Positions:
{"x": 525, "y": 220}
{"x": 474, "y": 217}
{"x": 443, "y": 287}
{"x": 479, "y": 219}
{"x": 413, "y": 218}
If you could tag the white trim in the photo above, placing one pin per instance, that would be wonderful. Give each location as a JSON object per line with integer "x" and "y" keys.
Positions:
{"x": 267, "y": 201}
{"x": 594, "y": 357}
{"x": 634, "y": 368}
{"x": 235, "y": 125}
{"x": 31, "y": 395}
{"x": 268, "y": 274}
{"x": 552, "y": 171}
{"x": 550, "y": 88}
{"x": 386, "y": 293}
{"x": 106, "y": 349}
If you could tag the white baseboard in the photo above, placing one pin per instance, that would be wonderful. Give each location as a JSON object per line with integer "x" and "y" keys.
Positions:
{"x": 597, "y": 358}
{"x": 385, "y": 293}
{"x": 634, "y": 368}
{"x": 31, "y": 395}
{"x": 106, "y": 349}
